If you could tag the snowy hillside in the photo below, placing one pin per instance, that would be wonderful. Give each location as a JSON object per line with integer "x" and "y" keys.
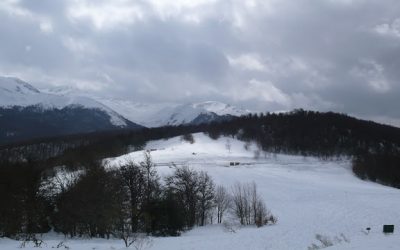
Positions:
{"x": 15, "y": 92}
{"x": 140, "y": 113}
{"x": 220, "y": 108}
{"x": 309, "y": 197}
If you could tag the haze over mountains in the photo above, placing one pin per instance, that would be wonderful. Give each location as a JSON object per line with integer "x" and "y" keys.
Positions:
{"x": 61, "y": 111}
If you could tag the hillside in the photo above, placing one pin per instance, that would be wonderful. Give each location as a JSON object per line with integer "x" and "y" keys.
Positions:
{"x": 309, "y": 196}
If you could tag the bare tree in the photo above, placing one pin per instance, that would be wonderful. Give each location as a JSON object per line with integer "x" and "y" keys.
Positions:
{"x": 222, "y": 202}
{"x": 228, "y": 145}
{"x": 247, "y": 145}
{"x": 206, "y": 193}
{"x": 255, "y": 201}
{"x": 239, "y": 202}
{"x": 151, "y": 188}
{"x": 257, "y": 154}
{"x": 248, "y": 207}
{"x": 262, "y": 215}
{"x": 151, "y": 177}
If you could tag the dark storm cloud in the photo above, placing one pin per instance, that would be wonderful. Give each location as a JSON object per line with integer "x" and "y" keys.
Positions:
{"x": 340, "y": 55}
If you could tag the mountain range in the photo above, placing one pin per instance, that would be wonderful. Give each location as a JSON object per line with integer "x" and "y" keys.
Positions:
{"x": 27, "y": 112}
{"x": 156, "y": 115}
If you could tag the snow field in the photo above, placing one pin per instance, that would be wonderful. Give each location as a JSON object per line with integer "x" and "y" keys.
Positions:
{"x": 309, "y": 196}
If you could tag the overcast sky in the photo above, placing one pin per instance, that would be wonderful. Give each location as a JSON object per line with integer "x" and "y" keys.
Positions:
{"x": 267, "y": 55}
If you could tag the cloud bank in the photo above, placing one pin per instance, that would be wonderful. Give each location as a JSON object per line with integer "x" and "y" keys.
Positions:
{"x": 267, "y": 55}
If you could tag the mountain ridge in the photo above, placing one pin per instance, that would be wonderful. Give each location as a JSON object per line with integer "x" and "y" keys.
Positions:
{"x": 64, "y": 111}
{"x": 161, "y": 114}
{"x": 169, "y": 114}
{"x": 27, "y": 113}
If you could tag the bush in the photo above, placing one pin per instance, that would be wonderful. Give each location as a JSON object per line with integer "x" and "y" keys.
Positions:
{"x": 188, "y": 138}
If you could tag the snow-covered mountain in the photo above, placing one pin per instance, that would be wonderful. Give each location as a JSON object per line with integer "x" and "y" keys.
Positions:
{"x": 26, "y": 112}
{"x": 160, "y": 114}
{"x": 220, "y": 108}
{"x": 196, "y": 113}
{"x": 156, "y": 115}
{"x": 17, "y": 93}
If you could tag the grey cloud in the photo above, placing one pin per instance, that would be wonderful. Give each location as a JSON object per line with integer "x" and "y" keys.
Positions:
{"x": 322, "y": 55}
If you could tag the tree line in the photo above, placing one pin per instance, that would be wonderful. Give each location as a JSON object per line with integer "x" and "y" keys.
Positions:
{"x": 383, "y": 168}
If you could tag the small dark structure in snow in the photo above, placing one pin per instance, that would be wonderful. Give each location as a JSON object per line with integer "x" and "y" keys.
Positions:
{"x": 388, "y": 229}
{"x": 234, "y": 163}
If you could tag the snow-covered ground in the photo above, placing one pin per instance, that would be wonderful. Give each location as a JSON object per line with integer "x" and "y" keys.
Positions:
{"x": 309, "y": 197}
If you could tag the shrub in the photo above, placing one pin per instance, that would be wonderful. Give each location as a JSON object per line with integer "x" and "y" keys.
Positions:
{"x": 188, "y": 138}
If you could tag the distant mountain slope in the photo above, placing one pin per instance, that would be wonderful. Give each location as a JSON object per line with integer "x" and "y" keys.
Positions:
{"x": 157, "y": 115}
{"x": 198, "y": 113}
{"x": 64, "y": 111}
{"x": 26, "y": 113}
{"x": 17, "y": 93}
{"x": 161, "y": 114}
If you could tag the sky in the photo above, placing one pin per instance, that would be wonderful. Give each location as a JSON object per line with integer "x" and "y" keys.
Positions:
{"x": 265, "y": 55}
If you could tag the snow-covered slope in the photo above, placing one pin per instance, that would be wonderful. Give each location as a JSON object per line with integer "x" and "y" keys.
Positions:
{"x": 220, "y": 108}
{"x": 188, "y": 113}
{"x": 17, "y": 93}
{"x": 309, "y": 196}
{"x": 155, "y": 115}
{"x": 140, "y": 113}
